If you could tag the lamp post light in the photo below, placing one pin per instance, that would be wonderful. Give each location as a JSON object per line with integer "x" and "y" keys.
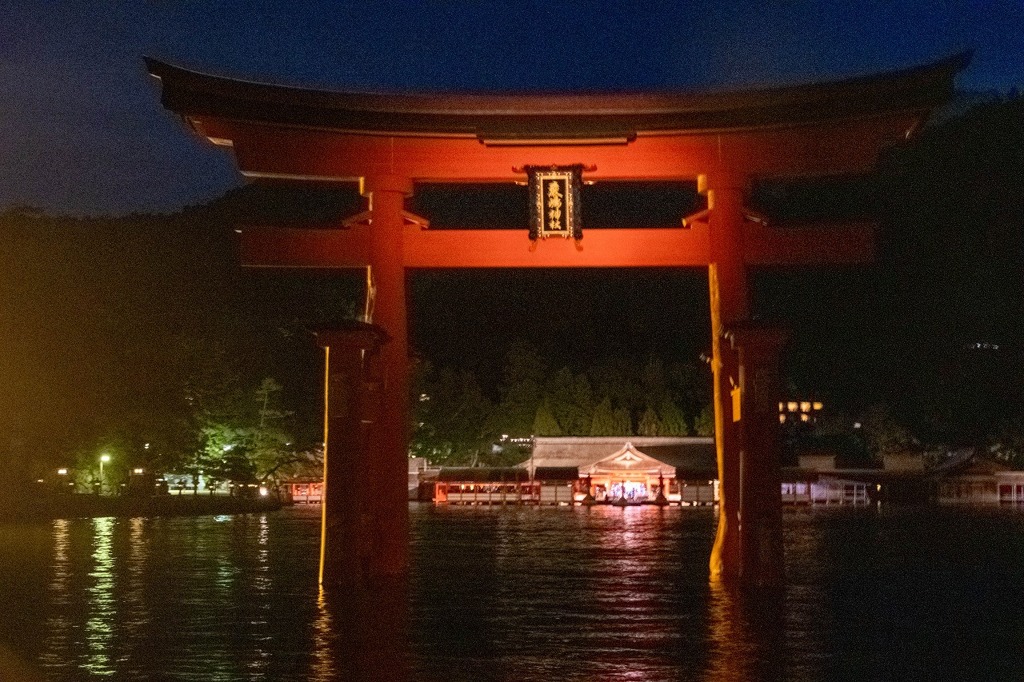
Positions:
{"x": 103, "y": 460}
{"x": 63, "y": 482}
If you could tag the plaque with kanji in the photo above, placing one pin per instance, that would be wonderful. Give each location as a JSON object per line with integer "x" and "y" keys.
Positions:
{"x": 555, "y": 202}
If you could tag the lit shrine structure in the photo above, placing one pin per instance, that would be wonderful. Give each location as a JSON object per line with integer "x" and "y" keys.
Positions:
{"x": 724, "y": 141}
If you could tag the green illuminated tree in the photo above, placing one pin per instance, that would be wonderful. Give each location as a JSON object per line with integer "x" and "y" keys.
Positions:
{"x": 571, "y": 402}
{"x": 673, "y": 423}
{"x": 242, "y": 434}
{"x": 270, "y": 443}
{"x": 704, "y": 425}
{"x": 603, "y": 422}
{"x": 649, "y": 424}
{"x": 623, "y": 422}
{"x": 544, "y": 423}
{"x": 520, "y": 391}
{"x": 454, "y": 419}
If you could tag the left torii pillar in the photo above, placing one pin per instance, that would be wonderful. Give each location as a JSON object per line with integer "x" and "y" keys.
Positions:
{"x": 379, "y": 462}
{"x": 367, "y": 607}
{"x": 351, "y": 411}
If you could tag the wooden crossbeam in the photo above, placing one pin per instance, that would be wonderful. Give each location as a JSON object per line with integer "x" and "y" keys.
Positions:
{"x": 671, "y": 247}
{"x": 266, "y": 151}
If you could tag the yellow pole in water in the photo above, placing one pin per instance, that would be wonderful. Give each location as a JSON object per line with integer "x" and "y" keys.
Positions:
{"x": 323, "y": 487}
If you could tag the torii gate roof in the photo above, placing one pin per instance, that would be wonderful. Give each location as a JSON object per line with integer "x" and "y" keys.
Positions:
{"x": 556, "y": 117}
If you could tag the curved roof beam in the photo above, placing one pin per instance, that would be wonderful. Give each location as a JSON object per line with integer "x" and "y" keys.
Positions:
{"x": 532, "y": 118}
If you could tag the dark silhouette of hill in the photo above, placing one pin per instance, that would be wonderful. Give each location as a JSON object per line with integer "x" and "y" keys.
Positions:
{"x": 94, "y": 312}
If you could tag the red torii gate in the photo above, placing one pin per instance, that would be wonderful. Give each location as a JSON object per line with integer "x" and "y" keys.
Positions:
{"x": 390, "y": 142}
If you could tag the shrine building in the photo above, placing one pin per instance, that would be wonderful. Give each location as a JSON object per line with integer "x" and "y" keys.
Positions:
{"x": 568, "y": 470}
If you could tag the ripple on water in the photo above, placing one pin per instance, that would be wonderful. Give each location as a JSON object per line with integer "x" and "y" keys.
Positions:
{"x": 522, "y": 594}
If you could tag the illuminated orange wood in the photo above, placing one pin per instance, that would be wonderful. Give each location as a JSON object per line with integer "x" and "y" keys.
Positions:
{"x": 269, "y": 247}
{"x": 758, "y": 351}
{"x": 348, "y": 413}
{"x": 272, "y": 151}
{"x": 727, "y": 283}
{"x": 598, "y": 249}
{"x": 387, "y": 460}
{"x": 724, "y": 140}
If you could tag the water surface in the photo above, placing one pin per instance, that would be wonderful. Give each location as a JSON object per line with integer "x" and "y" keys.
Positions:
{"x": 518, "y": 594}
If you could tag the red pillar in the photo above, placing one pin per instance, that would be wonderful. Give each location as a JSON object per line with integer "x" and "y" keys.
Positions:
{"x": 387, "y": 461}
{"x": 758, "y": 349}
{"x": 350, "y": 410}
{"x": 727, "y": 279}
{"x": 368, "y": 614}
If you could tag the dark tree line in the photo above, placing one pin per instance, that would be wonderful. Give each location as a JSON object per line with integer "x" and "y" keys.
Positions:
{"x": 141, "y": 338}
{"x": 927, "y": 340}
{"x": 456, "y": 422}
{"x": 118, "y": 332}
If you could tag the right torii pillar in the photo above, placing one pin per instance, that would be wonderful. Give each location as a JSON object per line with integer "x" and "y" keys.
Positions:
{"x": 745, "y": 365}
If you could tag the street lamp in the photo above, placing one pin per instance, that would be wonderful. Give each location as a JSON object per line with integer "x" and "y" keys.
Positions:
{"x": 103, "y": 460}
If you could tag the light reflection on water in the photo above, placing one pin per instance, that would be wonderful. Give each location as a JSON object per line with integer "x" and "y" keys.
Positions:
{"x": 323, "y": 641}
{"x": 516, "y": 594}
{"x": 102, "y": 607}
{"x": 588, "y": 594}
{"x": 262, "y": 584}
{"x": 58, "y": 625}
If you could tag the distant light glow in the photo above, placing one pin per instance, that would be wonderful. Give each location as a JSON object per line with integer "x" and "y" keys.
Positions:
{"x": 264, "y": 492}
{"x": 138, "y": 470}
{"x": 62, "y": 472}
{"x": 104, "y": 458}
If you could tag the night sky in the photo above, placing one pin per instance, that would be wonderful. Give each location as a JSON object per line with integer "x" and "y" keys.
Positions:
{"x": 82, "y": 131}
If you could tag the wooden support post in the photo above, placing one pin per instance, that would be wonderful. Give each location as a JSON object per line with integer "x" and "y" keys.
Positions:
{"x": 346, "y": 543}
{"x": 758, "y": 350}
{"x": 387, "y": 463}
{"x": 727, "y": 280}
